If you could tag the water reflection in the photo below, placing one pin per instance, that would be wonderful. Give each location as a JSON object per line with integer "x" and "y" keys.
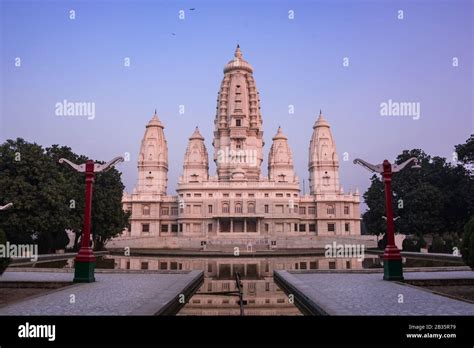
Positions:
{"x": 260, "y": 294}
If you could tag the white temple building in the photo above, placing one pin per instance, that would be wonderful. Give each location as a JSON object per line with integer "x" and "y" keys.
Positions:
{"x": 239, "y": 205}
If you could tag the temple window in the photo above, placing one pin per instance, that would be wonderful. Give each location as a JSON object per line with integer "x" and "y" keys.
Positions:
{"x": 331, "y": 209}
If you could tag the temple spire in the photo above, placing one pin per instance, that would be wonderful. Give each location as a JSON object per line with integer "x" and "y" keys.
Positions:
{"x": 238, "y": 52}
{"x": 323, "y": 163}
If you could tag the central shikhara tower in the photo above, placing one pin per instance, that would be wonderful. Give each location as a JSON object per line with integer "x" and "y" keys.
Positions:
{"x": 239, "y": 205}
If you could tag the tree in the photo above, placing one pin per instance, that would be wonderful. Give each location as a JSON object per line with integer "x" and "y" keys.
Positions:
{"x": 108, "y": 216}
{"x": 467, "y": 247}
{"x": 437, "y": 198}
{"x": 409, "y": 244}
{"x": 29, "y": 180}
{"x": 3, "y": 261}
{"x": 49, "y": 197}
{"x": 375, "y": 200}
{"x": 465, "y": 151}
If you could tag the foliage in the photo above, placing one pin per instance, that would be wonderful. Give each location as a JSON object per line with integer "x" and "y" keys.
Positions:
{"x": 409, "y": 244}
{"x": 3, "y": 261}
{"x": 438, "y": 198}
{"x": 467, "y": 248}
{"x": 48, "y": 197}
{"x": 382, "y": 243}
{"x": 444, "y": 243}
{"x": 465, "y": 151}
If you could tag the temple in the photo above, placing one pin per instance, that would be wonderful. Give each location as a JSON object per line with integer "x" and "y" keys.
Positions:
{"x": 239, "y": 206}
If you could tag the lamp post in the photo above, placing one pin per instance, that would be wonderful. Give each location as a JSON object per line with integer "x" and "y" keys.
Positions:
{"x": 392, "y": 260}
{"x": 84, "y": 264}
{"x": 6, "y": 206}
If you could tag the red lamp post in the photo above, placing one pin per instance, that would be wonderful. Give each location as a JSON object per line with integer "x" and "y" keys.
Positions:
{"x": 84, "y": 264}
{"x": 393, "y": 268}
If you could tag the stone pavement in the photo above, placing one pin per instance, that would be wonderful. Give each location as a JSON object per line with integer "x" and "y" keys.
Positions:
{"x": 369, "y": 294}
{"x": 111, "y": 294}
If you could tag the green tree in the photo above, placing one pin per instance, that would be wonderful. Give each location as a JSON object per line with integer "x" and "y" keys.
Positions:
{"x": 108, "y": 216}
{"x": 466, "y": 151}
{"x": 409, "y": 244}
{"x": 49, "y": 197}
{"x": 437, "y": 198}
{"x": 467, "y": 248}
{"x": 29, "y": 180}
{"x": 3, "y": 261}
{"x": 375, "y": 200}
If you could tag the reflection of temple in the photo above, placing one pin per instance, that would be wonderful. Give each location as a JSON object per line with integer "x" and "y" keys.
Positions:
{"x": 239, "y": 204}
{"x": 263, "y": 296}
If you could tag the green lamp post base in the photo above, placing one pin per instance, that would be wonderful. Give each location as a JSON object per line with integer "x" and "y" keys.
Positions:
{"x": 84, "y": 271}
{"x": 392, "y": 269}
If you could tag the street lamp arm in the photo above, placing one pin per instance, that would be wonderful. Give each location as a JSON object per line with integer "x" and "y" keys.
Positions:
{"x": 398, "y": 167}
{"x": 104, "y": 167}
{"x": 80, "y": 168}
{"x": 9, "y": 205}
{"x": 372, "y": 167}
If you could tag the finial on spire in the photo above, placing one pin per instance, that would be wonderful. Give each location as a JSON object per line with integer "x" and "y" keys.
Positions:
{"x": 238, "y": 53}
{"x": 320, "y": 112}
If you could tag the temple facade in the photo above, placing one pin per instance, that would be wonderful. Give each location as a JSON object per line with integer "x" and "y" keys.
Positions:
{"x": 239, "y": 205}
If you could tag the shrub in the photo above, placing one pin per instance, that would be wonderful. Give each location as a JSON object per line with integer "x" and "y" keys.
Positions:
{"x": 3, "y": 261}
{"x": 382, "y": 243}
{"x": 467, "y": 247}
{"x": 438, "y": 245}
{"x": 409, "y": 244}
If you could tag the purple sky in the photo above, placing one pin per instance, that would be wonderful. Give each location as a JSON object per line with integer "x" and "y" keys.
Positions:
{"x": 296, "y": 62}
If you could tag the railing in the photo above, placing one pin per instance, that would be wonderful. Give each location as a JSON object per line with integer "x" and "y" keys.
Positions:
{"x": 239, "y": 292}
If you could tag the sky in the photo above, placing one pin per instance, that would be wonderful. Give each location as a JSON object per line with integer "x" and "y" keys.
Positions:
{"x": 343, "y": 57}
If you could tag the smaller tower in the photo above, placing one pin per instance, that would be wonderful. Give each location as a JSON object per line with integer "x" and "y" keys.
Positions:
{"x": 323, "y": 164}
{"x": 280, "y": 160}
{"x": 196, "y": 160}
{"x": 153, "y": 159}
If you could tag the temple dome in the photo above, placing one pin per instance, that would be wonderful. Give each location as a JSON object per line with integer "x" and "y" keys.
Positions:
{"x": 238, "y": 63}
{"x": 155, "y": 122}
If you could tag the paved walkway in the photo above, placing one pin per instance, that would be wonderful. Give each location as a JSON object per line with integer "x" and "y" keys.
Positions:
{"x": 110, "y": 294}
{"x": 368, "y": 294}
